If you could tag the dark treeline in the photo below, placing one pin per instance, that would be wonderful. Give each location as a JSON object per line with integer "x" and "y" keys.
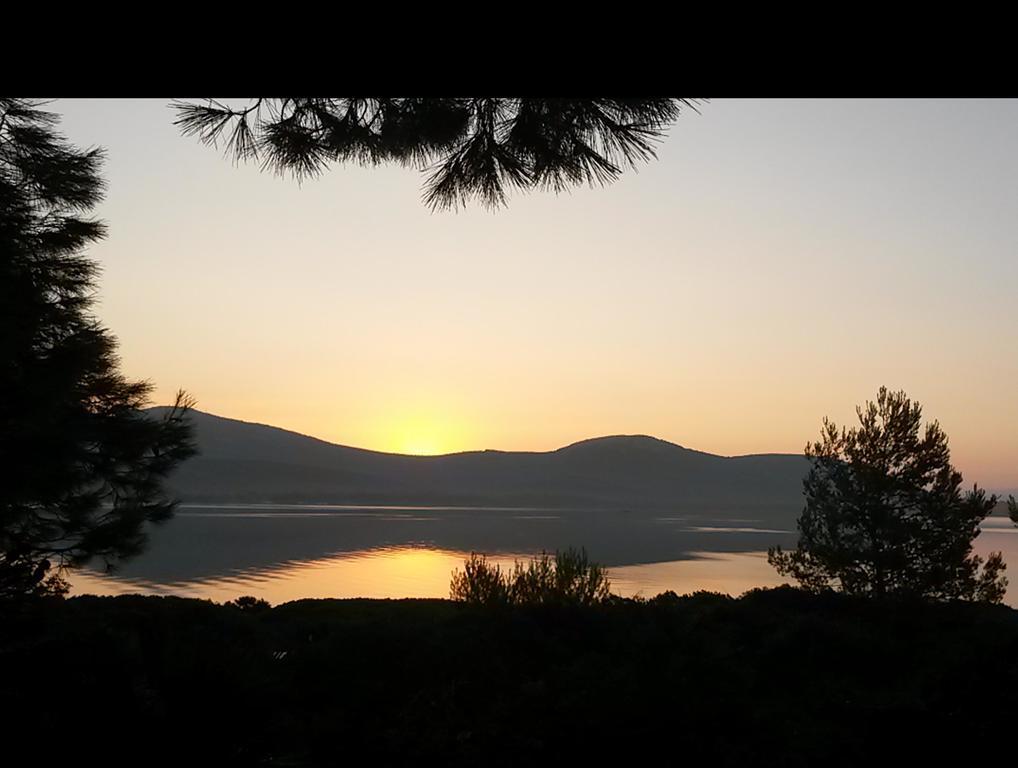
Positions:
{"x": 777, "y": 677}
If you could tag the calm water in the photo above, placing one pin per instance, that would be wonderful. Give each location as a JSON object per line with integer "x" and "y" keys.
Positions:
{"x": 281, "y": 553}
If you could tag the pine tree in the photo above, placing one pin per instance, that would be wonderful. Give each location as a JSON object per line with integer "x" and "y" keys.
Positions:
{"x": 82, "y": 463}
{"x": 885, "y": 514}
{"x": 470, "y": 147}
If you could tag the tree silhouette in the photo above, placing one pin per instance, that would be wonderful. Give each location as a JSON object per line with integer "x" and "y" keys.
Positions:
{"x": 470, "y": 147}
{"x": 1012, "y": 509}
{"x": 82, "y": 464}
{"x": 885, "y": 514}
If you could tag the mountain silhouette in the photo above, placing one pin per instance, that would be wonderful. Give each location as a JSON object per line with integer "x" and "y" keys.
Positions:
{"x": 241, "y": 462}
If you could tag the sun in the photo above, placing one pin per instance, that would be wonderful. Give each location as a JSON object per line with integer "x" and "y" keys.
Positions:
{"x": 425, "y": 434}
{"x": 421, "y": 445}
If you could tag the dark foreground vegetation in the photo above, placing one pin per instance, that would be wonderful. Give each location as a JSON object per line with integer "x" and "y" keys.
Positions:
{"x": 777, "y": 677}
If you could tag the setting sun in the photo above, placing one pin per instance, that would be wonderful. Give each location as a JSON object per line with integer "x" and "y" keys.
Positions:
{"x": 425, "y": 434}
{"x": 421, "y": 446}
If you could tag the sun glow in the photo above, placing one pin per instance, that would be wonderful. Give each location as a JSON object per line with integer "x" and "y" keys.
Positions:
{"x": 421, "y": 446}
{"x": 426, "y": 435}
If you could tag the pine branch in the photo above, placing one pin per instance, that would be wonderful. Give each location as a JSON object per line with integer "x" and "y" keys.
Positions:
{"x": 478, "y": 148}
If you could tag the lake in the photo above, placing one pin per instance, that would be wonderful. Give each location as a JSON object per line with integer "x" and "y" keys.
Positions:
{"x": 288, "y": 552}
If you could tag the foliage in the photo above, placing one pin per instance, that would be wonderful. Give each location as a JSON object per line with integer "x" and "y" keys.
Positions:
{"x": 563, "y": 578}
{"x": 885, "y": 514}
{"x": 470, "y": 147}
{"x": 567, "y": 577}
{"x": 777, "y": 677}
{"x": 83, "y": 464}
{"x": 249, "y": 603}
{"x": 1012, "y": 509}
{"x": 480, "y": 582}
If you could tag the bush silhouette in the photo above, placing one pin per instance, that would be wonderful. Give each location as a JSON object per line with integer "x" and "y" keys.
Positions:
{"x": 479, "y": 583}
{"x": 565, "y": 578}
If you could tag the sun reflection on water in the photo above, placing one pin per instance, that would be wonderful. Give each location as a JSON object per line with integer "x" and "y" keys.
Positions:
{"x": 391, "y": 572}
{"x": 400, "y": 572}
{"x": 421, "y": 571}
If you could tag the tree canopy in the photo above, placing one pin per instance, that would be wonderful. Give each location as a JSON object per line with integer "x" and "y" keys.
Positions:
{"x": 885, "y": 514}
{"x": 469, "y": 147}
{"x": 83, "y": 464}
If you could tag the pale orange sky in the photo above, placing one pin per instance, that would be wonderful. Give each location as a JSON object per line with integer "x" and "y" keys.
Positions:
{"x": 778, "y": 263}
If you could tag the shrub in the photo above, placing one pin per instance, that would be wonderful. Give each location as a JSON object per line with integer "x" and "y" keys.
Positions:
{"x": 563, "y": 578}
{"x": 567, "y": 577}
{"x": 479, "y": 583}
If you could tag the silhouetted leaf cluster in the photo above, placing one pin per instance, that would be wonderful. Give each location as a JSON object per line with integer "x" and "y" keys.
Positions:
{"x": 82, "y": 465}
{"x": 885, "y": 514}
{"x": 567, "y": 578}
{"x": 470, "y": 147}
{"x": 249, "y": 603}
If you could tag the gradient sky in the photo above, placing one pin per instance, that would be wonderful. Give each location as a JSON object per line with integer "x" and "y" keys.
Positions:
{"x": 778, "y": 263}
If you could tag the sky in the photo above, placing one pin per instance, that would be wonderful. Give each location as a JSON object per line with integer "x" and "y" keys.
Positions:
{"x": 778, "y": 263}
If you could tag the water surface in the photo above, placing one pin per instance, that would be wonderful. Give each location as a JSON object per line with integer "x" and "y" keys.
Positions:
{"x": 287, "y": 552}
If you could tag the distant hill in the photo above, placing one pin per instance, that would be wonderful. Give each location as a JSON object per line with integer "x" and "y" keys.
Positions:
{"x": 253, "y": 463}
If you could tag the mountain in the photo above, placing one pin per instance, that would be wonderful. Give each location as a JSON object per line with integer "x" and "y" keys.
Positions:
{"x": 242, "y": 462}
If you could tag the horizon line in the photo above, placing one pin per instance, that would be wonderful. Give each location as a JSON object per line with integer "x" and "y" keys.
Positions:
{"x": 480, "y": 450}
